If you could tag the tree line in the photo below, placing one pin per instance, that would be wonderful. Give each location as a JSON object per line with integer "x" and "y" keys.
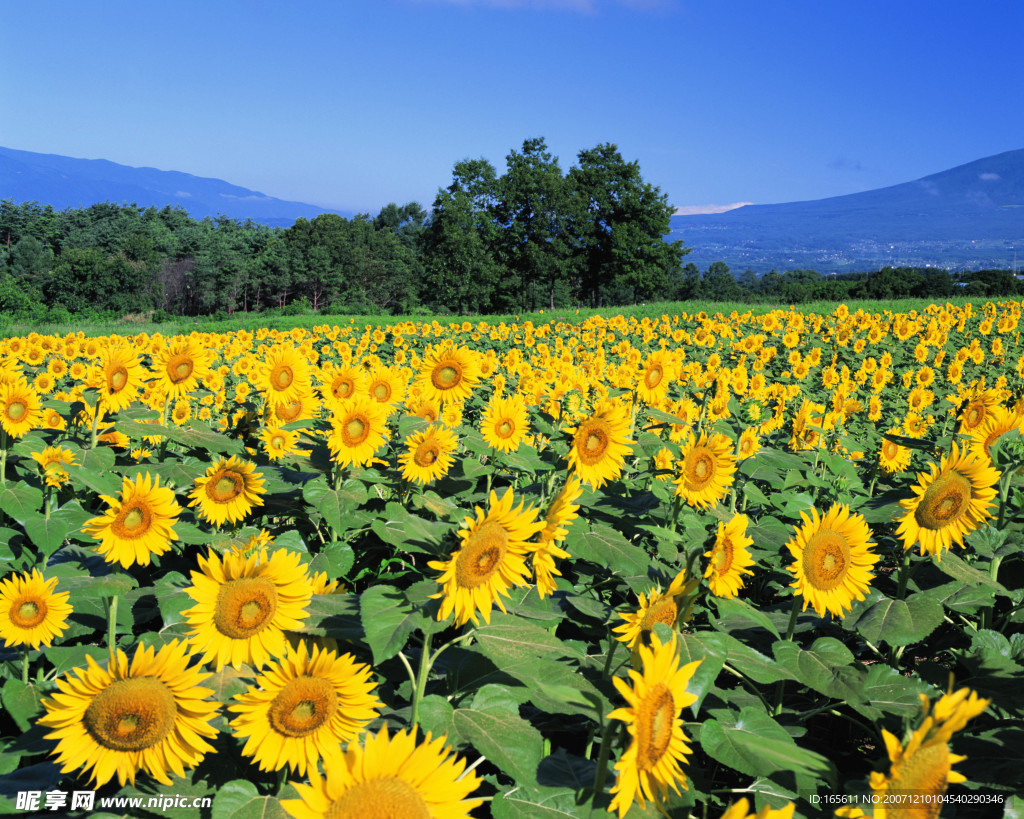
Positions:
{"x": 533, "y": 237}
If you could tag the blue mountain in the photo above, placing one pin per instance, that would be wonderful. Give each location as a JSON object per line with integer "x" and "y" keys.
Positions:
{"x": 65, "y": 182}
{"x": 968, "y": 217}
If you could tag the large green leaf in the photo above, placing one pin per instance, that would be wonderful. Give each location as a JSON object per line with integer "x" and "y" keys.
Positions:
{"x": 900, "y": 622}
{"x": 193, "y": 436}
{"x": 608, "y": 547}
{"x": 335, "y": 505}
{"x": 956, "y": 568}
{"x": 884, "y": 689}
{"x": 389, "y": 618}
{"x": 752, "y": 743}
{"x": 20, "y": 501}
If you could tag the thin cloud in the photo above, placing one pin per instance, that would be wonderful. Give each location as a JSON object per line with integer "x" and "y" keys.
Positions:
{"x": 696, "y": 210}
{"x": 989, "y": 177}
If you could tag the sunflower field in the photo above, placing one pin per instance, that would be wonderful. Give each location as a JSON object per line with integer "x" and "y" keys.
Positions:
{"x": 694, "y": 566}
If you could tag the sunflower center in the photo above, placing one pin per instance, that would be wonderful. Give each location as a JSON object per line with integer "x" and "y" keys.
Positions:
{"x": 381, "y": 391}
{"x": 343, "y": 388}
{"x": 28, "y": 612}
{"x": 446, "y": 376}
{"x": 226, "y": 487}
{"x": 132, "y": 714}
{"x": 592, "y": 442}
{"x": 944, "y": 501}
{"x": 179, "y": 368}
{"x": 699, "y": 467}
{"x": 663, "y": 611}
{"x": 16, "y": 410}
{"x": 134, "y": 520}
{"x": 654, "y": 720}
{"x": 426, "y": 454}
{"x": 379, "y": 799}
{"x": 505, "y": 428}
{"x": 356, "y": 430}
{"x": 302, "y": 705}
{"x": 826, "y": 557}
{"x": 245, "y": 607}
{"x": 117, "y": 379}
{"x": 653, "y": 377}
{"x": 974, "y": 416}
{"x": 277, "y": 441}
{"x": 282, "y": 377}
{"x": 721, "y": 558}
{"x": 481, "y": 556}
{"x": 926, "y": 771}
{"x": 288, "y": 410}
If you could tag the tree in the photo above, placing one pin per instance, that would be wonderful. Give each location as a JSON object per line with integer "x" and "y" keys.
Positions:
{"x": 619, "y": 224}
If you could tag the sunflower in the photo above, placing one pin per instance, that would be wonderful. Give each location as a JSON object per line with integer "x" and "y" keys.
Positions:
{"x": 601, "y": 443}
{"x": 833, "y": 560}
{"x": 279, "y": 442}
{"x": 297, "y": 407}
{"x": 748, "y": 444}
{"x": 428, "y": 454}
{"x": 707, "y": 467}
{"x": 120, "y": 377}
{"x": 283, "y": 375}
{"x": 951, "y": 500}
{"x": 741, "y": 810}
{"x": 228, "y": 491}
{"x": 999, "y": 422}
{"x": 342, "y": 383}
{"x": 386, "y": 776}
{"x": 670, "y": 607}
{"x": 505, "y": 423}
{"x": 149, "y": 716}
{"x": 358, "y": 430}
{"x": 891, "y": 456}
{"x": 179, "y": 366}
{"x": 244, "y": 604}
{"x": 924, "y": 765}
{"x": 31, "y": 613}
{"x": 729, "y": 559}
{"x": 448, "y": 373}
{"x": 303, "y": 707}
{"x": 52, "y": 419}
{"x": 490, "y": 559}
{"x": 650, "y": 765}
{"x": 386, "y": 385}
{"x": 19, "y": 407}
{"x": 655, "y": 377}
{"x": 137, "y": 525}
{"x": 560, "y": 514}
{"x": 52, "y": 461}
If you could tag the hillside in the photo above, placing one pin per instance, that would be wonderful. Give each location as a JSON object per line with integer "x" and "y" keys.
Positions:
{"x": 65, "y": 182}
{"x": 970, "y": 217}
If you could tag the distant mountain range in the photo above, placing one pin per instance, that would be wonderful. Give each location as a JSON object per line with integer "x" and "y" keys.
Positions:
{"x": 969, "y": 217}
{"x": 65, "y": 182}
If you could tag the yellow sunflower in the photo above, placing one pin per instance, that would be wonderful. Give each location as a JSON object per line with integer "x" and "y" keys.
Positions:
{"x": 651, "y": 764}
{"x": 996, "y": 424}
{"x": 428, "y": 454}
{"x": 601, "y": 443}
{"x": 729, "y": 559}
{"x": 891, "y": 456}
{"x": 19, "y": 407}
{"x": 386, "y": 385}
{"x": 342, "y": 383}
{"x": 283, "y": 375}
{"x": 228, "y": 491}
{"x": 386, "y": 776}
{"x": 179, "y": 366}
{"x": 244, "y": 604}
{"x": 741, "y": 810}
{"x": 657, "y": 374}
{"x": 490, "y": 559}
{"x": 833, "y": 560}
{"x": 358, "y": 430}
{"x": 137, "y": 525}
{"x": 707, "y": 467}
{"x": 950, "y": 500}
{"x": 120, "y": 376}
{"x": 671, "y": 607}
{"x": 448, "y": 373}
{"x": 504, "y": 423}
{"x": 149, "y": 716}
{"x": 52, "y": 461}
{"x": 748, "y": 445}
{"x": 924, "y": 765}
{"x": 32, "y": 613}
{"x": 279, "y": 442}
{"x": 303, "y": 707}
{"x": 560, "y": 514}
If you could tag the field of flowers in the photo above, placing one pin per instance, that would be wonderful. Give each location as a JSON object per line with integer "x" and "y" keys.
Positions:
{"x": 693, "y": 565}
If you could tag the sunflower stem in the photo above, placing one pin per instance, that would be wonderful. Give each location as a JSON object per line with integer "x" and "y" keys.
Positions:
{"x": 780, "y": 686}
{"x": 24, "y": 665}
{"x": 112, "y": 630}
{"x": 603, "y": 755}
{"x": 1004, "y": 494}
{"x": 904, "y": 575}
{"x": 94, "y": 433}
{"x": 426, "y": 660}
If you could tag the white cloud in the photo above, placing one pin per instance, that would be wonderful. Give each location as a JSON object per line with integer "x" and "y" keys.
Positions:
{"x": 694, "y": 210}
{"x": 989, "y": 177}
{"x": 183, "y": 194}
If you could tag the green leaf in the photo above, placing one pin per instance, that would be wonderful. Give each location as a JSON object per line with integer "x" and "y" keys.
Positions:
{"x": 518, "y": 804}
{"x": 192, "y": 437}
{"x": 735, "y": 614}
{"x": 608, "y": 547}
{"x": 334, "y": 615}
{"x": 752, "y": 743}
{"x": 900, "y": 622}
{"x": 49, "y": 533}
{"x": 336, "y": 559}
{"x": 389, "y": 618}
{"x": 956, "y": 568}
{"x": 436, "y": 716}
{"x": 493, "y": 726}
{"x": 826, "y": 667}
{"x": 335, "y": 505}
{"x": 22, "y": 702}
{"x": 231, "y": 796}
{"x": 884, "y": 689}
{"x": 21, "y": 501}
{"x": 691, "y": 648}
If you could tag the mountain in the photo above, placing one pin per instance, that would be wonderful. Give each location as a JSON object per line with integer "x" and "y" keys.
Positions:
{"x": 65, "y": 182}
{"x": 969, "y": 217}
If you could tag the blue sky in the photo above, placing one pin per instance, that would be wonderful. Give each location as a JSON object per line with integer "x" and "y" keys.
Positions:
{"x": 355, "y": 104}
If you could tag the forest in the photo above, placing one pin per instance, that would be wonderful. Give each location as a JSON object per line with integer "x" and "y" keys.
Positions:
{"x": 534, "y": 237}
